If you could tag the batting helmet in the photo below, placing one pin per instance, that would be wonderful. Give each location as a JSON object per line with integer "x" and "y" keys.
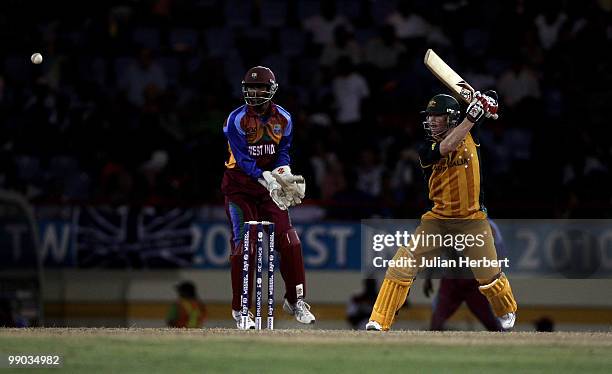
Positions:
{"x": 440, "y": 105}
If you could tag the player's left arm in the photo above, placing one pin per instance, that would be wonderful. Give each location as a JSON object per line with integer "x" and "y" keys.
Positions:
{"x": 483, "y": 106}
{"x": 172, "y": 316}
{"x": 284, "y": 159}
{"x": 429, "y": 153}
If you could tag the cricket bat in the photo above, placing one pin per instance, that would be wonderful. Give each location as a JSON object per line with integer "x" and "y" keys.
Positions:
{"x": 449, "y": 77}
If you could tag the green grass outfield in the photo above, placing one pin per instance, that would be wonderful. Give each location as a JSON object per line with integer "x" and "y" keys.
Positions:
{"x": 312, "y": 351}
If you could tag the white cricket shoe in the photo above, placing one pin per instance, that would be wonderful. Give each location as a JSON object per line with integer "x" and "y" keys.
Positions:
{"x": 507, "y": 321}
{"x": 301, "y": 311}
{"x": 373, "y": 326}
{"x": 238, "y": 316}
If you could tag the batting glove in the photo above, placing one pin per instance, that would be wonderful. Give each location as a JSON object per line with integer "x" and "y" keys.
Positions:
{"x": 475, "y": 111}
{"x": 490, "y": 102}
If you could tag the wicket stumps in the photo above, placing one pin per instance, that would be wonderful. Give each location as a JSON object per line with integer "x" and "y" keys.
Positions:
{"x": 244, "y": 300}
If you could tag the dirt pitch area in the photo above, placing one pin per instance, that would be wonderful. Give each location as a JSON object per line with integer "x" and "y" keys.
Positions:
{"x": 308, "y": 351}
{"x": 462, "y": 338}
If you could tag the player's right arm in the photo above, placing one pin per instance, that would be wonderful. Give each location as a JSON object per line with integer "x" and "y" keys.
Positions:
{"x": 236, "y": 137}
{"x": 481, "y": 106}
{"x": 456, "y": 135}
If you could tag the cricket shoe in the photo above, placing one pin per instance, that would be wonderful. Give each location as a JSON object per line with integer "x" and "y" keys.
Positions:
{"x": 507, "y": 321}
{"x": 301, "y": 311}
{"x": 250, "y": 324}
{"x": 373, "y": 326}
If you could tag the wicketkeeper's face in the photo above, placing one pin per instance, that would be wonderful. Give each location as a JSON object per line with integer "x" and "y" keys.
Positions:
{"x": 257, "y": 94}
{"x": 257, "y": 89}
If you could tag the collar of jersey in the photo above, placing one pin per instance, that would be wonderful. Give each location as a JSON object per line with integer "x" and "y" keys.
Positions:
{"x": 271, "y": 111}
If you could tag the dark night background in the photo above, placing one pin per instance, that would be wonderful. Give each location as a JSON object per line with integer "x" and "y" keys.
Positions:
{"x": 129, "y": 102}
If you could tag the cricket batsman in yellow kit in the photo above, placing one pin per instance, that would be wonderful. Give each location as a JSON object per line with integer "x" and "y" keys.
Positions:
{"x": 450, "y": 160}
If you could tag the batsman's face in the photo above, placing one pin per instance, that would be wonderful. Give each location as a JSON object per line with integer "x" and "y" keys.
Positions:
{"x": 438, "y": 123}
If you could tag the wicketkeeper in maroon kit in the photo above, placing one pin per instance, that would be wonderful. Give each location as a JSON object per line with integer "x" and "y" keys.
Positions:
{"x": 258, "y": 186}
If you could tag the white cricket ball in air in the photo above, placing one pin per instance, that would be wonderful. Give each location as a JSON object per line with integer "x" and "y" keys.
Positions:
{"x": 36, "y": 58}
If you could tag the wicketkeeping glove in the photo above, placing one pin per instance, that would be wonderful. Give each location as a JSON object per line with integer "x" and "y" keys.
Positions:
{"x": 275, "y": 189}
{"x": 294, "y": 186}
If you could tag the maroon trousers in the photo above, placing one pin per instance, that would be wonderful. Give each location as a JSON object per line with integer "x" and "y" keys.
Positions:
{"x": 452, "y": 293}
{"x": 247, "y": 200}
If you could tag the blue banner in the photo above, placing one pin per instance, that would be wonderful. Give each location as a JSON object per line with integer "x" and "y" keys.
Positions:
{"x": 326, "y": 246}
{"x": 175, "y": 238}
{"x": 152, "y": 238}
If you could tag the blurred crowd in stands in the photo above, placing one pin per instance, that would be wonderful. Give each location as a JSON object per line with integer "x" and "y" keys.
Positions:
{"x": 129, "y": 103}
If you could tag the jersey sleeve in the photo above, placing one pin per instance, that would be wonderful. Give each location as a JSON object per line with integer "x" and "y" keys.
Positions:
{"x": 285, "y": 144}
{"x": 240, "y": 149}
{"x": 429, "y": 153}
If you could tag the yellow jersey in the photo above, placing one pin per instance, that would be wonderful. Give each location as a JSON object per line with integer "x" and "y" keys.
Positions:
{"x": 453, "y": 181}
